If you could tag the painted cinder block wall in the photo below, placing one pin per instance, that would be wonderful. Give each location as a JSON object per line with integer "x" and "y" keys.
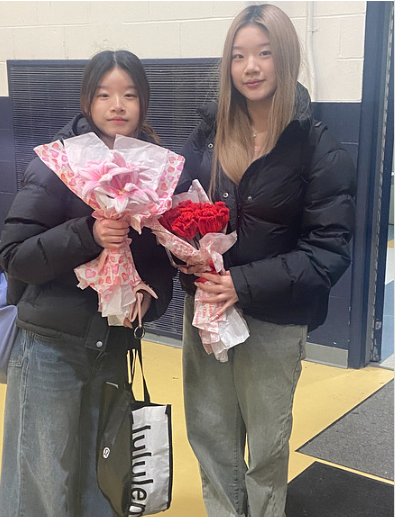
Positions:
{"x": 180, "y": 29}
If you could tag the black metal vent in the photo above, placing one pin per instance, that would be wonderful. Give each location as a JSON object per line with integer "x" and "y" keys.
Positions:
{"x": 45, "y": 97}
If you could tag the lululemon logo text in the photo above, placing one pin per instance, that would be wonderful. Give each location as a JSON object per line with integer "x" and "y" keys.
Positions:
{"x": 140, "y": 476}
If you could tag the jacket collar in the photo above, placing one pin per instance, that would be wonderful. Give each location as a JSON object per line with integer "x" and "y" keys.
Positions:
{"x": 77, "y": 126}
{"x": 208, "y": 113}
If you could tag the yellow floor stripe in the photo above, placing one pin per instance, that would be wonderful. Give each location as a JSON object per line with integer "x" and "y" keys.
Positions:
{"x": 324, "y": 394}
{"x": 365, "y": 474}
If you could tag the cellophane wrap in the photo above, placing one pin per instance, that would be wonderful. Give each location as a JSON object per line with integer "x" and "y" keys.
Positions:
{"x": 133, "y": 181}
{"x": 218, "y": 335}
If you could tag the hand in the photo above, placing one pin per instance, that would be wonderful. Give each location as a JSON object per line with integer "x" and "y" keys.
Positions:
{"x": 111, "y": 234}
{"x": 222, "y": 290}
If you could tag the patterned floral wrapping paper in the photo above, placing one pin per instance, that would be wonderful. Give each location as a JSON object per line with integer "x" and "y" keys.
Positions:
{"x": 135, "y": 181}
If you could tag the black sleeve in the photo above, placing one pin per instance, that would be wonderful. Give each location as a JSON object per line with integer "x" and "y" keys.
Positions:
{"x": 39, "y": 242}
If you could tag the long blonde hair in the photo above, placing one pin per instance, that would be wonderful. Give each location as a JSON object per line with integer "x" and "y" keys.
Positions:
{"x": 234, "y": 142}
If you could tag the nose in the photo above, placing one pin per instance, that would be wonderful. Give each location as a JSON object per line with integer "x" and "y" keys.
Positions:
{"x": 118, "y": 103}
{"x": 251, "y": 65}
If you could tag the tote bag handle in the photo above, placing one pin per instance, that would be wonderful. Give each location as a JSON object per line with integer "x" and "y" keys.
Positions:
{"x": 132, "y": 356}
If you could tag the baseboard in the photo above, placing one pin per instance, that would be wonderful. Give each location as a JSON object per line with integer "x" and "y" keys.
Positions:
{"x": 326, "y": 355}
{"x": 314, "y": 353}
{"x": 163, "y": 340}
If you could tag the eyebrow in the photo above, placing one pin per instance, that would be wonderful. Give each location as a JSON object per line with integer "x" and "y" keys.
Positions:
{"x": 260, "y": 45}
{"x": 105, "y": 87}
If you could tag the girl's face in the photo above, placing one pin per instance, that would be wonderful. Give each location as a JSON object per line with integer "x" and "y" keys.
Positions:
{"x": 252, "y": 65}
{"x": 116, "y": 107}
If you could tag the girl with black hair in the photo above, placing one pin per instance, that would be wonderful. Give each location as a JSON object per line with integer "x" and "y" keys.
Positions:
{"x": 65, "y": 349}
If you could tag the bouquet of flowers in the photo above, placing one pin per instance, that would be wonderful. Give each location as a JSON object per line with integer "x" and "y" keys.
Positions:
{"x": 193, "y": 231}
{"x": 135, "y": 181}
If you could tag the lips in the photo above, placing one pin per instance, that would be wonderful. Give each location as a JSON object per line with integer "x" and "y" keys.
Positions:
{"x": 253, "y": 83}
{"x": 117, "y": 119}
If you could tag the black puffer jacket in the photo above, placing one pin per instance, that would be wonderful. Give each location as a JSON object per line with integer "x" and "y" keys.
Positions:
{"x": 294, "y": 216}
{"x": 47, "y": 233}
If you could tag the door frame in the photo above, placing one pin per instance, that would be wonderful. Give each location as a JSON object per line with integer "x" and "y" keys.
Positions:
{"x": 375, "y": 156}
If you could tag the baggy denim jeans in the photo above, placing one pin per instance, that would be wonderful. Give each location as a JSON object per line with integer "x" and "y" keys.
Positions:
{"x": 50, "y": 431}
{"x": 249, "y": 400}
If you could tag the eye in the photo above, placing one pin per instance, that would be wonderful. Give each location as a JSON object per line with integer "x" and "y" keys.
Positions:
{"x": 266, "y": 53}
{"x": 103, "y": 95}
{"x": 131, "y": 95}
{"x": 236, "y": 57}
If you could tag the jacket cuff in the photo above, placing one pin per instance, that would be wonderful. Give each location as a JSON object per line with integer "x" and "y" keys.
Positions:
{"x": 241, "y": 287}
{"x": 86, "y": 232}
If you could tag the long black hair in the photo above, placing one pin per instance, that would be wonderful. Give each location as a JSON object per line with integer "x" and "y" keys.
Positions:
{"x": 106, "y": 61}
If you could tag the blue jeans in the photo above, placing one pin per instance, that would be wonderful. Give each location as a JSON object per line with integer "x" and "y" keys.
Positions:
{"x": 50, "y": 428}
{"x": 250, "y": 397}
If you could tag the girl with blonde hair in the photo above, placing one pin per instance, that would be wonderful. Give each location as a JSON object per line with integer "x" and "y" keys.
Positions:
{"x": 289, "y": 186}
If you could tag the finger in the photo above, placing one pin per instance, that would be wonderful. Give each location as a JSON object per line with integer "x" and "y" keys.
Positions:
{"x": 116, "y": 238}
{"x": 115, "y": 223}
{"x": 111, "y": 233}
{"x": 115, "y": 235}
{"x": 212, "y": 300}
{"x": 113, "y": 245}
{"x": 121, "y": 234}
{"x": 105, "y": 236}
{"x": 208, "y": 288}
{"x": 117, "y": 231}
{"x": 208, "y": 276}
{"x": 217, "y": 293}
{"x": 221, "y": 311}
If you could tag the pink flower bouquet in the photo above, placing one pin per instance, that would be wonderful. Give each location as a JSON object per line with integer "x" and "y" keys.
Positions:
{"x": 135, "y": 181}
{"x": 193, "y": 232}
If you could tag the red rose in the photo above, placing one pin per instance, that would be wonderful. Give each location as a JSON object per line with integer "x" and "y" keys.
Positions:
{"x": 189, "y": 219}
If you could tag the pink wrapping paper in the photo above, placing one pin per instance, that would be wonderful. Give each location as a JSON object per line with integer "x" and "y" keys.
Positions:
{"x": 217, "y": 335}
{"x": 135, "y": 181}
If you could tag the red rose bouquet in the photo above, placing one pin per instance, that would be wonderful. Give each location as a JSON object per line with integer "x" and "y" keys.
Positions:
{"x": 134, "y": 181}
{"x": 193, "y": 231}
{"x": 192, "y": 221}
